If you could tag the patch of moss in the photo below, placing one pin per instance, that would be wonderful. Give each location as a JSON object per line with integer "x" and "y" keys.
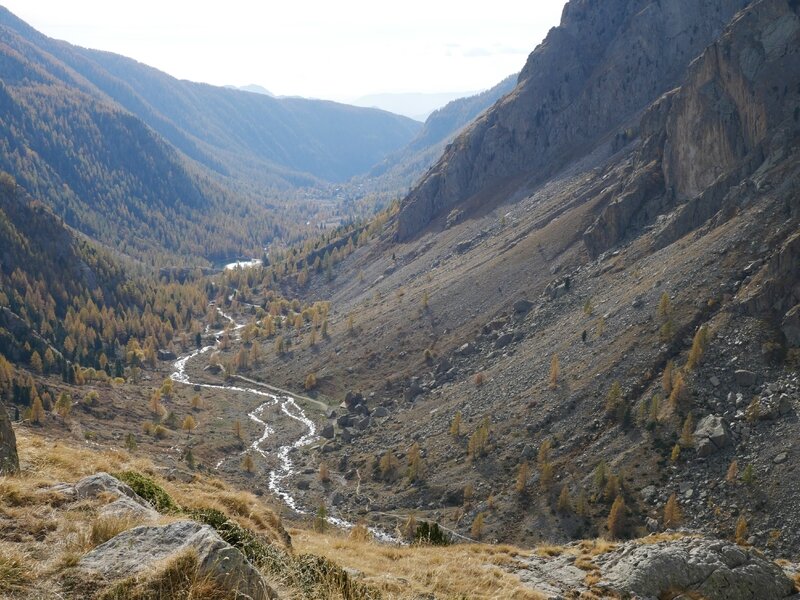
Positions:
{"x": 150, "y": 491}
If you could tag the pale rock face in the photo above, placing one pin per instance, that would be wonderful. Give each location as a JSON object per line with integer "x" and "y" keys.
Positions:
{"x": 717, "y": 570}
{"x": 139, "y": 549}
{"x": 648, "y": 570}
{"x": 604, "y": 64}
{"x": 733, "y": 95}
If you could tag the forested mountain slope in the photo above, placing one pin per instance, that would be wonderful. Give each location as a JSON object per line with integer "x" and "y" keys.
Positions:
{"x": 154, "y": 165}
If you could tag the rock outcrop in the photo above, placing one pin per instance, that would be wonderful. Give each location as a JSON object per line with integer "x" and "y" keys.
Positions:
{"x": 701, "y": 140}
{"x": 606, "y": 62}
{"x": 649, "y": 569}
{"x": 136, "y": 550}
{"x": 732, "y": 97}
{"x": 716, "y": 570}
{"x": 9, "y": 461}
{"x": 127, "y": 504}
{"x": 711, "y": 435}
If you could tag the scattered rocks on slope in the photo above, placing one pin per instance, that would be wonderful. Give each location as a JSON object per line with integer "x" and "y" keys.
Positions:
{"x": 139, "y": 549}
{"x": 9, "y": 461}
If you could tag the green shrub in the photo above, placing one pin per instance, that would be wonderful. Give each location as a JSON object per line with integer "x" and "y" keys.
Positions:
{"x": 431, "y": 534}
{"x": 149, "y": 490}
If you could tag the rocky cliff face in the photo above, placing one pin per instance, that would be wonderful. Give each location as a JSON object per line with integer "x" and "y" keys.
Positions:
{"x": 605, "y": 63}
{"x": 735, "y": 110}
{"x": 734, "y": 94}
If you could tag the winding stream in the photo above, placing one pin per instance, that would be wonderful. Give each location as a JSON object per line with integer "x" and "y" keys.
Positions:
{"x": 288, "y": 407}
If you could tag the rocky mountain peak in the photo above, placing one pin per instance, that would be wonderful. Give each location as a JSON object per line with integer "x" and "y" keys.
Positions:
{"x": 602, "y": 66}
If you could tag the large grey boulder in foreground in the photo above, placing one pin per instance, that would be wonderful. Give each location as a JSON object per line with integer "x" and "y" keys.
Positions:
{"x": 714, "y": 569}
{"x": 647, "y": 569}
{"x": 139, "y": 549}
{"x": 9, "y": 462}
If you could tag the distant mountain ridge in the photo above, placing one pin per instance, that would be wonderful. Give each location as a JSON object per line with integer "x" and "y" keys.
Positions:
{"x": 151, "y": 164}
{"x": 415, "y": 105}
{"x": 403, "y": 168}
{"x": 252, "y": 88}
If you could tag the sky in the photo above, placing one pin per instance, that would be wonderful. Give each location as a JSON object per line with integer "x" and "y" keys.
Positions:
{"x": 338, "y": 50}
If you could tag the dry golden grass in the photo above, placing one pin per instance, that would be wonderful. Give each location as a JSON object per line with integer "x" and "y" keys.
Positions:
{"x": 596, "y": 547}
{"x": 461, "y": 571}
{"x": 549, "y": 550}
{"x": 46, "y": 463}
{"x": 178, "y": 577}
{"x": 585, "y": 564}
{"x": 591, "y": 578}
{"x": 43, "y": 524}
{"x": 16, "y": 570}
{"x": 105, "y": 528}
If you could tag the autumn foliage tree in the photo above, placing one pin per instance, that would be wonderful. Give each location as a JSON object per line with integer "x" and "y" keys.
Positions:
{"x": 672, "y": 512}
{"x": 616, "y": 518}
{"x": 555, "y": 371}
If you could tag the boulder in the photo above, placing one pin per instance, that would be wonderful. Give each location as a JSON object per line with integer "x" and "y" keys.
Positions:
{"x": 166, "y": 355}
{"x": 140, "y": 549}
{"x": 745, "y": 378}
{"x": 712, "y": 569}
{"x": 93, "y": 485}
{"x": 344, "y": 421}
{"x": 346, "y": 435}
{"x": 380, "y": 412}
{"x": 466, "y": 349}
{"x": 361, "y": 409}
{"x": 353, "y": 399}
{"x": 768, "y": 408}
{"x": 363, "y": 423}
{"x": 124, "y": 507}
{"x": 710, "y": 435}
{"x": 503, "y": 341}
{"x": 443, "y": 366}
{"x": 327, "y": 432}
{"x": 522, "y": 306}
{"x": 9, "y": 461}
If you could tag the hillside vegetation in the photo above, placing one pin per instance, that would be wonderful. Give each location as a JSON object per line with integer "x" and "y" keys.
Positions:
{"x": 161, "y": 168}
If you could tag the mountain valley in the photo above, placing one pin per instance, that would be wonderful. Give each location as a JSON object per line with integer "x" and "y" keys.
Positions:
{"x": 564, "y": 364}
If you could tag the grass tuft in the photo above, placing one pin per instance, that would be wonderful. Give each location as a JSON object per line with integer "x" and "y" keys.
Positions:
{"x": 15, "y": 570}
{"x": 105, "y": 528}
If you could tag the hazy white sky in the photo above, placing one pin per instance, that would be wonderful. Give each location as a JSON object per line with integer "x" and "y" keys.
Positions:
{"x": 338, "y": 49}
